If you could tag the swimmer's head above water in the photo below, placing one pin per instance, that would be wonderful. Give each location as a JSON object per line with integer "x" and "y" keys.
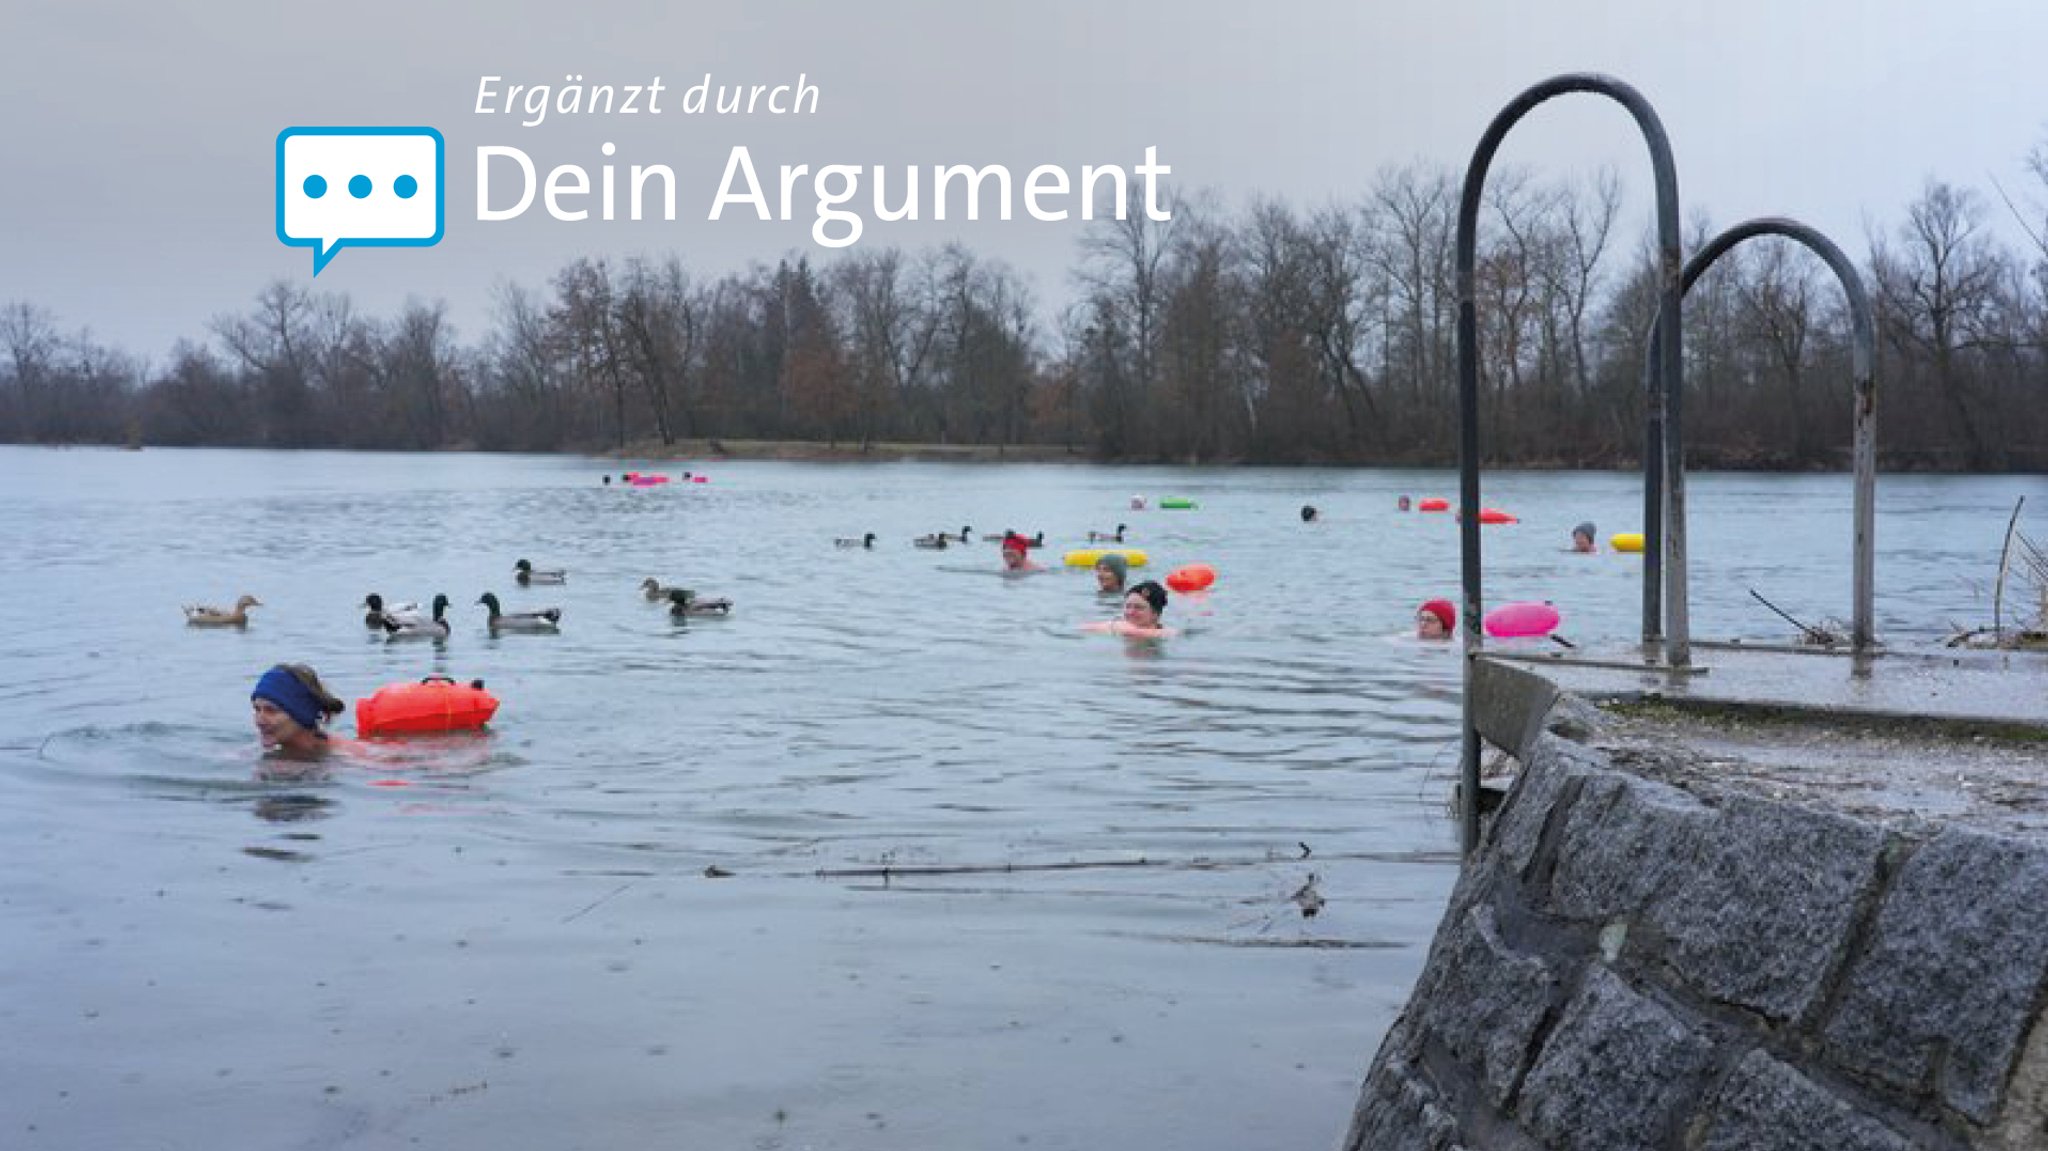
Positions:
{"x": 1583, "y": 536}
{"x": 1435, "y": 619}
{"x": 290, "y": 705}
{"x": 1016, "y": 552}
{"x": 1144, "y": 604}
{"x": 1110, "y": 572}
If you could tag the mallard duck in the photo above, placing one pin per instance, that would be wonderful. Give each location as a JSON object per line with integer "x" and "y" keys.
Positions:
{"x": 684, "y": 602}
{"x": 932, "y": 541}
{"x": 866, "y": 541}
{"x": 434, "y": 628}
{"x": 526, "y": 573}
{"x": 966, "y": 535}
{"x": 654, "y": 589}
{"x": 1115, "y": 537}
{"x": 199, "y": 615}
{"x": 546, "y": 619}
{"x": 378, "y": 612}
{"x": 1308, "y": 898}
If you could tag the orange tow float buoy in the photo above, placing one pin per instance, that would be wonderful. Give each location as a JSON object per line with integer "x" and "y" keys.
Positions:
{"x": 1193, "y": 577}
{"x": 435, "y": 704}
{"x": 1490, "y": 516}
{"x": 1433, "y": 504}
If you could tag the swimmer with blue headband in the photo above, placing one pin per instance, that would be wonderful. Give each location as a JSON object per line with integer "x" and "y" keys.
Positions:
{"x": 290, "y": 705}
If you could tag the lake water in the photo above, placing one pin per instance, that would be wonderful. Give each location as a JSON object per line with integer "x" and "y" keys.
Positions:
{"x": 512, "y": 941}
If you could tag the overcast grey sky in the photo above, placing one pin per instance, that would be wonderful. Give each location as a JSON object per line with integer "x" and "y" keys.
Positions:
{"x": 138, "y": 190}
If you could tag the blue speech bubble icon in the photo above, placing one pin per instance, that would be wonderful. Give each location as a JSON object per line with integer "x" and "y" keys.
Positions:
{"x": 366, "y": 187}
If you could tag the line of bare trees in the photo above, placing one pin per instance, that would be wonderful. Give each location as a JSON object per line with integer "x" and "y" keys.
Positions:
{"x": 1269, "y": 334}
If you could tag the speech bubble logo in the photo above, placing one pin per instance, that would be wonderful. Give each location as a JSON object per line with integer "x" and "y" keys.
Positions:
{"x": 361, "y": 187}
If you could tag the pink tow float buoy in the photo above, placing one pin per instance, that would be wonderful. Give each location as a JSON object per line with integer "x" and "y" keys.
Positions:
{"x": 1193, "y": 577}
{"x": 1518, "y": 620}
{"x": 1496, "y": 516}
{"x": 699, "y": 480}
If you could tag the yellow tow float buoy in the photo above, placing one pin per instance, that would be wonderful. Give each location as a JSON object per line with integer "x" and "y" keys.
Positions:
{"x": 1086, "y": 557}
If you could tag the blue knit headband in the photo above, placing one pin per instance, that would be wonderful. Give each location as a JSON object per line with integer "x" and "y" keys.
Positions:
{"x": 294, "y": 698}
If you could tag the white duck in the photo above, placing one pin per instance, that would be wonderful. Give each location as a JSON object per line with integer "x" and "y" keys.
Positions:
{"x": 200, "y": 615}
{"x": 546, "y": 619}
{"x": 435, "y": 628}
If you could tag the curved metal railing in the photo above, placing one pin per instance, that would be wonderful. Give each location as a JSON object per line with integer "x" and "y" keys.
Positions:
{"x": 1863, "y": 389}
{"x": 1663, "y": 407}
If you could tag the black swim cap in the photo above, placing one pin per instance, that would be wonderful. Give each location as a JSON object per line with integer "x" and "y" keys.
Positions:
{"x": 1153, "y": 593}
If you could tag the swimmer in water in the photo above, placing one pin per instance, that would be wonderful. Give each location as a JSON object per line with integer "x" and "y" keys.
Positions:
{"x": 1110, "y": 572}
{"x": 1017, "y": 554}
{"x": 1582, "y": 537}
{"x": 291, "y": 707}
{"x": 1143, "y": 606}
{"x": 1401, "y": 504}
{"x": 1435, "y": 619}
{"x": 1309, "y": 513}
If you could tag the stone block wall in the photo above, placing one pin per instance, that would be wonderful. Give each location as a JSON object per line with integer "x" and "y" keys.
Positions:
{"x": 1626, "y": 965}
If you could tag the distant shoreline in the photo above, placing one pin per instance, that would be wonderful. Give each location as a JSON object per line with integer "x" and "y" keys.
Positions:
{"x": 812, "y": 452}
{"x": 2020, "y": 461}
{"x": 806, "y": 451}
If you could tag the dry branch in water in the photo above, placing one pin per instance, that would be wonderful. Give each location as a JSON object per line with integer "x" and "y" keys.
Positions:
{"x": 2018, "y": 553}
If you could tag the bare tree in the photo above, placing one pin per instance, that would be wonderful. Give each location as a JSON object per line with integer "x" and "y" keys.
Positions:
{"x": 1935, "y": 290}
{"x": 1121, "y": 265}
{"x": 30, "y": 336}
{"x": 1587, "y": 215}
{"x": 585, "y": 309}
{"x": 1413, "y": 214}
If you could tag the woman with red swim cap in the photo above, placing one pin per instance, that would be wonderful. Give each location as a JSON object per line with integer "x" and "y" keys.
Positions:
{"x": 1017, "y": 554}
{"x": 1436, "y": 619}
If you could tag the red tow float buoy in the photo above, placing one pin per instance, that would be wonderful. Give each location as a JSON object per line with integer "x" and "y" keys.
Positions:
{"x": 435, "y": 704}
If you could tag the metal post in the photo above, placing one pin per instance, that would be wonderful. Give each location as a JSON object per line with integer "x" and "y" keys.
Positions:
{"x": 1653, "y": 491}
{"x": 1671, "y": 378}
{"x": 1473, "y": 637}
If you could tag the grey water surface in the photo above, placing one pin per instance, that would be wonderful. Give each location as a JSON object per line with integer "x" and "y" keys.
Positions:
{"x": 896, "y": 856}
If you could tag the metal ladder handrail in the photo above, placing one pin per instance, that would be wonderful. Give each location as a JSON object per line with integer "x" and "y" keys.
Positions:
{"x": 1863, "y": 388}
{"x": 1664, "y": 408}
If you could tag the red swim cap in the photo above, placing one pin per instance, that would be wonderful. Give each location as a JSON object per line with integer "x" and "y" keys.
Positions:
{"x": 1013, "y": 541}
{"x": 1443, "y": 610}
